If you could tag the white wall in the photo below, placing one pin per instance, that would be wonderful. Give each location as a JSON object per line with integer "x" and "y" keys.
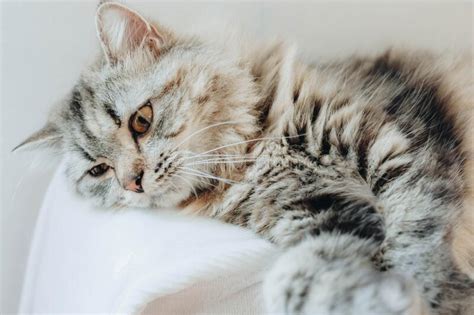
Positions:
{"x": 45, "y": 45}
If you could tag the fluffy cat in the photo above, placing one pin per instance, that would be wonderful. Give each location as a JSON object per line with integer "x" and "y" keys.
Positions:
{"x": 354, "y": 167}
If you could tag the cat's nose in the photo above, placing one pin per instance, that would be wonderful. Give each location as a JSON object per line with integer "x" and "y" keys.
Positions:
{"x": 135, "y": 184}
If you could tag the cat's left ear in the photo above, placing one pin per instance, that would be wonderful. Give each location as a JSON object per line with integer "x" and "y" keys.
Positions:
{"x": 49, "y": 137}
{"x": 122, "y": 31}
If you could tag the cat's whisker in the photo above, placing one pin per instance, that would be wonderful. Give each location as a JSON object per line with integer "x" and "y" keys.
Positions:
{"x": 217, "y": 155}
{"x": 204, "y": 129}
{"x": 171, "y": 183}
{"x": 194, "y": 178}
{"x": 249, "y": 141}
{"x": 216, "y": 158}
{"x": 210, "y": 177}
{"x": 192, "y": 171}
{"x": 219, "y": 162}
{"x": 187, "y": 183}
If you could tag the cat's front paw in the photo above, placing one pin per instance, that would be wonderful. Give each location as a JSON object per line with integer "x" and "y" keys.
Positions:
{"x": 301, "y": 282}
{"x": 384, "y": 293}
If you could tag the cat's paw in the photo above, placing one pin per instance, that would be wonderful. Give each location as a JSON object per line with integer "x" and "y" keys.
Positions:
{"x": 384, "y": 293}
{"x": 301, "y": 282}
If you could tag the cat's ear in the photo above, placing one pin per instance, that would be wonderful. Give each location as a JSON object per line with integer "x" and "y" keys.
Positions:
{"x": 122, "y": 30}
{"x": 47, "y": 137}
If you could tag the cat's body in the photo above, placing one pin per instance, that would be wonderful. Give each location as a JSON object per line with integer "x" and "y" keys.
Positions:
{"x": 366, "y": 149}
{"x": 354, "y": 167}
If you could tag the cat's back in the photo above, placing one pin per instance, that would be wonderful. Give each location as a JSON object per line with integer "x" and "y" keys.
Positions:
{"x": 392, "y": 127}
{"x": 427, "y": 95}
{"x": 405, "y": 117}
{"x": 424, "y": 98}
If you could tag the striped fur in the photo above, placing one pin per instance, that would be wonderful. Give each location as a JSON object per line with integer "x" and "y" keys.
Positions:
{"x": 355, "y": 167}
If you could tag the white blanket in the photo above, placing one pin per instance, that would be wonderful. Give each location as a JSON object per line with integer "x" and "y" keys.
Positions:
{"x": 89, "y": 260}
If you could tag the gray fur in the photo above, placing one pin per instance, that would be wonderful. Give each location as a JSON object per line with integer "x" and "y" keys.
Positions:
{"x": 355, "y": 167}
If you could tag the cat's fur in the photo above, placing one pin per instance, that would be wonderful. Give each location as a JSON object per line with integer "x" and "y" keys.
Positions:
{"x": 355, "y": 167}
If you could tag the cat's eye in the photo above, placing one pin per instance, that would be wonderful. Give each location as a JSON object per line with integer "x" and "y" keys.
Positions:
{"x": 141, "y": 120}
{"x": 99, "y": 169}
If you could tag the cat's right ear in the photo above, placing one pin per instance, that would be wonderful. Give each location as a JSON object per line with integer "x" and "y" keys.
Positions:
{"x": 121, "y": 31}
{"x": 47, "y": 137}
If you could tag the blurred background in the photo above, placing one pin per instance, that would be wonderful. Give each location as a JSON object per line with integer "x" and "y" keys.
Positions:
{"x": 44, "y": 46}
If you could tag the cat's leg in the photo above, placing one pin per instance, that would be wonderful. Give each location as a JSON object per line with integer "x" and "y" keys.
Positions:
{"x": 296, "y": 208}
{"x": 333, "y": 274}
{"x": 418, "y": 242}
{"x": 327, "y": 267}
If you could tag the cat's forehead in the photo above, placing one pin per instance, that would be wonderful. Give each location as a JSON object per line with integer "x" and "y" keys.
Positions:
{"x": 128, "y": 86}
{"x": 142, "y": 70}
{"x": 116, "y": 87}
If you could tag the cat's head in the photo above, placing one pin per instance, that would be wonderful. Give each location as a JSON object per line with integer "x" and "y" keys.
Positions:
{"x": 155, "y": 119}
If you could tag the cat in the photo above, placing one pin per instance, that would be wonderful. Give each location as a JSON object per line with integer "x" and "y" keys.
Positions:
{"x": 355, "y": 168}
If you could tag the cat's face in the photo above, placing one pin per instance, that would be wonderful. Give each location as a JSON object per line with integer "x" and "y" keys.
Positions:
{"x": 153, "y": 121}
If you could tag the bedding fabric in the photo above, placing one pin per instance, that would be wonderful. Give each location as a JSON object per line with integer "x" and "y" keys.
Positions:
{"x": 89, "y": 260}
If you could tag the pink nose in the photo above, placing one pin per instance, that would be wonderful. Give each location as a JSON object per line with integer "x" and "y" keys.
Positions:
{"x": 135, "y": 184}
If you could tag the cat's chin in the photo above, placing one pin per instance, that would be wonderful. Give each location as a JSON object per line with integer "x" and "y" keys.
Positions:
{"x": 156, "y": 200}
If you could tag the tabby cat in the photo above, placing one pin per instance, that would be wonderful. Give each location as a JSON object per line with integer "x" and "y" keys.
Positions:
{"x": 355, "y": 168}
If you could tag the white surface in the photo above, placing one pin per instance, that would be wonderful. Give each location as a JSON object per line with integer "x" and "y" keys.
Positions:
{"x": 45, "y": 45}
{"x": 88, "y": 260}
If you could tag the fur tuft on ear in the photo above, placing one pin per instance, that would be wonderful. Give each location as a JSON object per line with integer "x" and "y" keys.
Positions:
{"x": 121, "y": 31}
{"x": 47, "y": 137}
